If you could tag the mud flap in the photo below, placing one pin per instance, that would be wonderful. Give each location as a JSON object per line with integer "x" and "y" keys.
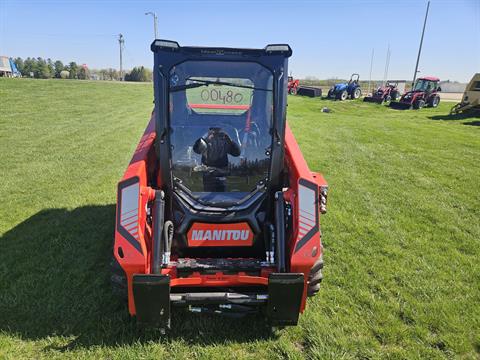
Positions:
{"x": 285, "y": 293}
{"x": 151, "y": 294}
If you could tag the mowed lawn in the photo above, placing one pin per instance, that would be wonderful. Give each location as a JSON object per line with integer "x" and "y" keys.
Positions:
{"x": 401, "y": 237}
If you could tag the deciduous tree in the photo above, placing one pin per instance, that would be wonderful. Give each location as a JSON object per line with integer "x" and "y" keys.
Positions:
{"x": 73, "y": 68}
{"x": 59, "y": 67}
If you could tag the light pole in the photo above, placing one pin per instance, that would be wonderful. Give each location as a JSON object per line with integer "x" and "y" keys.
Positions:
{"x": 420, "y": 47}
{"x": 154, "y": 22}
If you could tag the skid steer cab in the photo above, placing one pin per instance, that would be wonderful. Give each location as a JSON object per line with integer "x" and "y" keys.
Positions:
{"x": 218, "y": 211}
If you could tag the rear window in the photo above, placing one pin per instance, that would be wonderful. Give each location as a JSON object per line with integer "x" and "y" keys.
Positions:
{"x": 220, "y": 129}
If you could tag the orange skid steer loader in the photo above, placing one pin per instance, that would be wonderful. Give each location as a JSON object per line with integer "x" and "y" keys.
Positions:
{"x": 218, "y": 211}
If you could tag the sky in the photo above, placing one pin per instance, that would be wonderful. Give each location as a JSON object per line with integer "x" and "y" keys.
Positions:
{"x": 330, "y": 39}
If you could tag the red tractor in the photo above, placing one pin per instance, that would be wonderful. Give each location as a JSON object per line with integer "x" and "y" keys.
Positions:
{"x": 293, "y": 85}
{"x": 384, "y": 94}
{"x": 218, "y": 211}
{"x": 425, "y": 92}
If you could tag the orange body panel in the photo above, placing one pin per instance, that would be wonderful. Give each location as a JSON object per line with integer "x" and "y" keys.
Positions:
{"x": 134, "y": 261}
{"x": 135, "y": 257}
{"x": 302, "y": 260}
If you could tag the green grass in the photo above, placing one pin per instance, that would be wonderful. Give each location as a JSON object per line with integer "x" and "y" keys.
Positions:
{"x": 401, "y": 236}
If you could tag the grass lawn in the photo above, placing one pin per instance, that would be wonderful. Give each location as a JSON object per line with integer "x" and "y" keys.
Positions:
{"x": 402, "y": 275}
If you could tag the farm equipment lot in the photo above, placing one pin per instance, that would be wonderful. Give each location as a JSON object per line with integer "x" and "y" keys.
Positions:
{"x": 401, "y": 236}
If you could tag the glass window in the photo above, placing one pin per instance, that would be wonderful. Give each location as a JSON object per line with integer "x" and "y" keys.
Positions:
{"x": 219, "y": 97}
{"x": 425, "y": 85}
{"x": 220, "y": 122}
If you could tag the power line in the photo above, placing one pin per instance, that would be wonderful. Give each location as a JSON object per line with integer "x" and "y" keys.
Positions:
{"x": 82, "y": 35}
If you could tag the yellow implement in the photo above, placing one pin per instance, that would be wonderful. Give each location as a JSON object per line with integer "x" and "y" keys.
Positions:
{"x": 471, "y": 97}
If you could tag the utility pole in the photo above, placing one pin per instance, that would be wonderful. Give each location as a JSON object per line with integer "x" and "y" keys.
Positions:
{"x": 387, "y": 63}
{"x": 121, "y": 42}
{"x": 421, "y": 43}
{"x": 154, "y": 23}
{"x": 371, "y": 65}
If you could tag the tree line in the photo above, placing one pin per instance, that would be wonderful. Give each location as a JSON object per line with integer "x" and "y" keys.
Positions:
{"x": 40, "y": 68}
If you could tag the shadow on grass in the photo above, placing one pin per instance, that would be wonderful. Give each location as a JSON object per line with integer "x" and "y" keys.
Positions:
{"x": 54, "y": 276}
{"x": 473, "y": 123}
{"x": 459, "y": 117}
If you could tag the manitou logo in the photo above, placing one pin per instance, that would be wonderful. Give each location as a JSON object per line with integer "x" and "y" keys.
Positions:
{"x": 220, "y": 235}
{"x": 202, "y": 234}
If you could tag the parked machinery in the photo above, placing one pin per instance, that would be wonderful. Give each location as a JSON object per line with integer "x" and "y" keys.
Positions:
{"x": 471, "y": 97}
{"x": 292, "y": 85}
{"x": 425, "y": 92}
{"x": 218, "y": 211}
{"x": 344, "y": 91}
{"x": 384, "y": 94}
